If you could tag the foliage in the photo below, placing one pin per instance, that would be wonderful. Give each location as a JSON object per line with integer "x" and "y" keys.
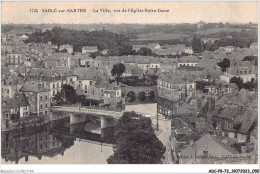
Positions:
{"x": 200, "y": 85}
{"x": 224, "y": 64}
{"x": 117, "y": 44}
{"x": 147, "y": 80}
{"x": 197, "y": 44}
{"x": 118, "y": 70}
{"x": 141, "y": 96}
{"x": 136, "y": 142}
{"x": 252, "y": 59}
{"x": 131, "y": 96}
{"x": 66, "y": 95}
{"x": 152, "y": 95}
{"x": 250, "y": 85}
{"x": 144, "y": 52}
{"x": 238, "y": 81}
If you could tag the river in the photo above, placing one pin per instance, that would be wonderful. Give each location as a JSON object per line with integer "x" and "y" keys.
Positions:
{"x": 57, "y": 145}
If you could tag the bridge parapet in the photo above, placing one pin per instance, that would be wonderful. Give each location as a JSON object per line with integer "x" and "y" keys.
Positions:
{"x": 97, "y": 112}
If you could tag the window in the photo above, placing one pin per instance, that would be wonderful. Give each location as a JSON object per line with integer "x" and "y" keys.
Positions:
{"x": 90, "y": 82}
{"x": 40, "y": 97}
{"x": 7, "y": 91}
{"x": 53, "y": 92}
{"x": 58, "y": 85}
{"x": 41, "y": 106}
{"x": 46, "y": 105}
{"x": 190, "y": 86}
{"x": 245, "y": 72}
{"x": 41, "y": 138}
{"x": 41, "y": 146}
{"x": 250, "y": 71}
{"x": 53, "y": 85}
{"x": 6, "y": 115}
{"x": 241, "y": 72}
{"x": 46, "y": 97}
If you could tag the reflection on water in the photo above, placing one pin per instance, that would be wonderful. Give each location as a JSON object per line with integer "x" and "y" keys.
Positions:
{"x": 55, "y": 143}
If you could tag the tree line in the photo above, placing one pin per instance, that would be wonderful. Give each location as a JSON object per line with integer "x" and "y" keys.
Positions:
{"x": 117, "y": 44}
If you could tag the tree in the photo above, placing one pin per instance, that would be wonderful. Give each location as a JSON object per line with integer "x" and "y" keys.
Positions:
{"x": 118, "y": 70}
{"x": 141, "y": 96}
{"x": 64, "y": 51}
{"x": 152, "y": 96}
{"x": 68, "y": 94}
{"x": 250, "y": 85}
{"x": 58, "y": 98}
{"x": 252, "y": 59}
{"x": 224, "y": 64}
{"x": 93, "y": 55}
{"x": 197, "y": 44}
{"x": 238, "y": 81}
{"x": 144, "y": 51}
{"x": 136, "y": 142}
{"x": 131, "y": 96}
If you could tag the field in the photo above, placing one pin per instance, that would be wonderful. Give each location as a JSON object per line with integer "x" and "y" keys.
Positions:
{"x": 160, "y": 36}
{"x": 218, "y": 30}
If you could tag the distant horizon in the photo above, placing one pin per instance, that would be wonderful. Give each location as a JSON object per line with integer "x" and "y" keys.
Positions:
{"x": 232, "y": 23}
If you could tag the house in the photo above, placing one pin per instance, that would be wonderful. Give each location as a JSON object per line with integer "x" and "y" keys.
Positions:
{"x": 11, "y": 86}
{"x": 111, "y": 94}
{"x": 66, "y": 47}
{"x": 132, "y": 70}
{"x": 14, "y": 108}
{"x": 137, "y": 47}
{"x": 58, "y": 60}
{"x": 38, "y": 97}
{"x": 206, "y": 150}
{"x": 23, "y": 37}
{"x": 188, "y": 61}
{"x": 52, "y": 79}
{"x": 154, "y": 64}
{"x": 188, "y": 50}
{"x": 15, "y": 58}
{"x": 228, "y": 49}
{"x": 172, "y": 88}
{"x": 221, "y": 88}
{"x": 104, "y": 62}
{"x": 235, "y": 116}
{"x": 143, "y": 63}
{"x": 6, "y": 48}
{"x": 89, "y": 49}
{"x": 244, "y": 69}
{"x": 153, "y": 46}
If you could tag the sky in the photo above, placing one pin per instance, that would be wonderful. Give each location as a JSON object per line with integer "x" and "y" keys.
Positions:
{"x": 179, "y": 12}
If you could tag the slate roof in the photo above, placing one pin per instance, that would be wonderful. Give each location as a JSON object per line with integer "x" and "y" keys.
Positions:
{"x": 19, "y": 100}
{"x": 85, "y": 73}
{"x": 208, "y": 142}
{"x": 33, "y": 87}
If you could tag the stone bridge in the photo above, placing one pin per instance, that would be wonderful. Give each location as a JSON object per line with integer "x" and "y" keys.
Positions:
{"x": 106, "y": 119}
